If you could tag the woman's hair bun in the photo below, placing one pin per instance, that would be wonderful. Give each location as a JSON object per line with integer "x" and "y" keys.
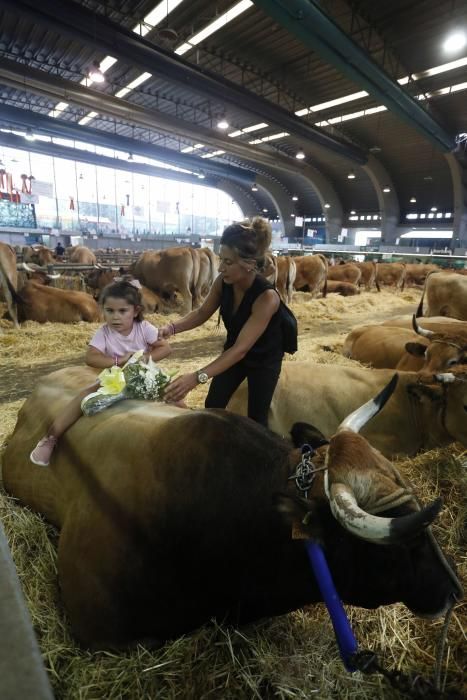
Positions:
{"x": 263, "y": 233}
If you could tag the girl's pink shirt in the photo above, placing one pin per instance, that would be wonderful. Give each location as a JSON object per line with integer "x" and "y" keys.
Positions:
{"x": 111, "y": 342}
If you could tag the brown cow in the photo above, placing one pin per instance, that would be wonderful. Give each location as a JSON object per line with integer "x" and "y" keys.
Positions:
{"x": 312, "y": 274}
{"x": 399, "y": 348}
{"x": 269, "y": 269}
{"x": 207, "y": 269}
{"x": 434, "y": 323}
{"x": 39, "y": 255}
{"x": 9, "y": 280}
{"x": 173, "y": 275}
{"x": 151, "y": 550}
{"x": 286, "y": 274}
{"x": 369, "y": 272}
{"x": 345, "y": 289}
{"x": 446, "y": 295}
{"x": 391, "y": 274}
{"x": 82, "y": 256}
{"x": 345, "y": 273}
{"x": 417, "y": 273}
{"x": 41, "y": 303}
{"x": 99, "y": 278}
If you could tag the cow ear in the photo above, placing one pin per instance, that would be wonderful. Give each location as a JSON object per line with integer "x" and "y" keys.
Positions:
{"x": 301, "y": 514}
{"x": 423, "y": 391}
{"x": 417, "y": 349}
{"x": 305, "y": 433}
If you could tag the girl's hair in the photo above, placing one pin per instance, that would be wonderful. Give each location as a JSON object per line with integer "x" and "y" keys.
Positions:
{"x": 250, "y": 238}
{"x": 123, "y": 290}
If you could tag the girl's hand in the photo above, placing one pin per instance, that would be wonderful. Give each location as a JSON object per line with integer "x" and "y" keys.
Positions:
{"x": 123, "y": 359}
{"x": 180, "y": 387}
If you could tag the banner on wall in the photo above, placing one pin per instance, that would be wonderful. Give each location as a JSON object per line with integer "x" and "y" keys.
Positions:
{"x": 163, "y": 207}
{"x": 44, "y": 189}
{"x": 28, "y": 198}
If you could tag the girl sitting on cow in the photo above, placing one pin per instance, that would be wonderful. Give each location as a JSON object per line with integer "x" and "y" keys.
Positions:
{"x": 124, "y": 333}
{"x": 249, "y": 307}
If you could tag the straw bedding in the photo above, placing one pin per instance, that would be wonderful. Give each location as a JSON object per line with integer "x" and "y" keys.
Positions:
{"x": 293, "y": 656}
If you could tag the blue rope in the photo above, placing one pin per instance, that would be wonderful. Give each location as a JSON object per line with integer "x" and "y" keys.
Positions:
{"x": 346, "y": 641}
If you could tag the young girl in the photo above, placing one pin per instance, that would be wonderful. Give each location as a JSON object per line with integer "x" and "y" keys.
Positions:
{"x": 124, "y": 333}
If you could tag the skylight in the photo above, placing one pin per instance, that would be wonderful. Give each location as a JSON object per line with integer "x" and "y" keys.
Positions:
{"x": 155, "y": 17}
{"x": 214, "y": 26}
{"x": 58, "y": 109}
{"x": 248, "y": 129}
{"x": 272, "y": 137}
{"x": 214, "y": 153}
{"x": 189, "y": 149}
{"x": 87, "y": 118}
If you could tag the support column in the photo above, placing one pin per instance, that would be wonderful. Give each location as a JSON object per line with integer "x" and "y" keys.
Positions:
{"x": 282, "y": 202}
{"x": 327, "y": 195}
{"x": 458, "y": 167}
{"x": 388, "y": 202}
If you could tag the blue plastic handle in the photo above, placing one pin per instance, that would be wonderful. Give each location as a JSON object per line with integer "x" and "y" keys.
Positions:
{"x": 346, "y": 641}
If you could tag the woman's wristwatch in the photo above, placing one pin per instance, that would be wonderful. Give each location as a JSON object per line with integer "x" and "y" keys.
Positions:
{"x": 202, "y": 377}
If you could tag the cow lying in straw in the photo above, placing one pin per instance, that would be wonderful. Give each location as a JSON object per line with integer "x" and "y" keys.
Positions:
{"x": 171, "y": 517}
{"x": 423, "y": 412}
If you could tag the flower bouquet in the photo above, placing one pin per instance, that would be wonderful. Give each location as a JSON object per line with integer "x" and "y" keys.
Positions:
{"x": 136, "y": 380}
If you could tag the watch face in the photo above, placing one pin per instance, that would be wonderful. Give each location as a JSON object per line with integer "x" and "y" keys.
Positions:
{"x": 202, "y": 377}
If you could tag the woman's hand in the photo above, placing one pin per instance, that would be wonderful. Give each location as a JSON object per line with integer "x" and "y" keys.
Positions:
{"x": 166, "y": 331}
{"x": 180, "y": 387}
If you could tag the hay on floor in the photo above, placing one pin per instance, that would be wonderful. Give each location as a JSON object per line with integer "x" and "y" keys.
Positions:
{"x": 293, "y": 656}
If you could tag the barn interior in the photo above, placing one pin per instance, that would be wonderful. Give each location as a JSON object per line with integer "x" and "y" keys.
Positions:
{"x": 144, "y": 125}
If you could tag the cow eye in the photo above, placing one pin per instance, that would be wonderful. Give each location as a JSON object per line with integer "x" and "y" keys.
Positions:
{"x": 452, "y": 361}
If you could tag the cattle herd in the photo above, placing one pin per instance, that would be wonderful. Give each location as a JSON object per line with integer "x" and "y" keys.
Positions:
{"x": 191, "y": 519}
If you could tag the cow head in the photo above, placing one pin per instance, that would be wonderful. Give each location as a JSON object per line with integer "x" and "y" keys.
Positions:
{"x": 443, "y": 351}
{"x": 371, "y": 505}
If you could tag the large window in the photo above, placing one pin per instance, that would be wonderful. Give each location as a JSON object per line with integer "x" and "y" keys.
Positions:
{"x": 76, "y": 197}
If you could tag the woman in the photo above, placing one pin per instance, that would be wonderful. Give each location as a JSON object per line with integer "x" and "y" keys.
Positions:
{"x": 249, "y": 308}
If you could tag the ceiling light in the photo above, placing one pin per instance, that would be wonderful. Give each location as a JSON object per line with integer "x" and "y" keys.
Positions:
{"x": 223, "y": 123}
{"x": 353, "y": 212}
{"x": 295, "y": 198}
{"x": 300, "y": 155}
{"x": 413, "y": 200}
{"x": 254, "y": 188}
{"x": 327, "y": 206}
{"x": 265, "y": 210}
{"x": 293, "y": 216}
{"x": 386, "y": 189}
{"x": 130, "y": 156}
{"x": 351, "y": 175}
{"x": 29, "y": 136}
{"x": 434, "y": 209}
{"x": 455, "y": 42}
{"x": 95, "y": 74}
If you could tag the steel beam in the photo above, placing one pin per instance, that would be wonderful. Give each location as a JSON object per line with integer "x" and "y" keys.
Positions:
{"x": 53, "y": 87}
{"x": 307, "y": 21}
{"x": 95, "y": 30}
{"x": 71, "y": 130}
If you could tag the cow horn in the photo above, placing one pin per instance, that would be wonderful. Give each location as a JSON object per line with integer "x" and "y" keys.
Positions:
{"x": 445, "y": 377}
{"x": 30, "y": 269}
{"x": 360, "y": 417}
{"x": 375, "y": 528}
{"x": 421, "y": 331}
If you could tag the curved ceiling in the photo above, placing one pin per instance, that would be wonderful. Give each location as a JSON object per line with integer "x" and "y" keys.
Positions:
{"x": 263, "y": 77}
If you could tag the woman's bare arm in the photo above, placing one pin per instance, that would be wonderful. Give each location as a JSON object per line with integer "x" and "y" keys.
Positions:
{"x": 198, "y": 316}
